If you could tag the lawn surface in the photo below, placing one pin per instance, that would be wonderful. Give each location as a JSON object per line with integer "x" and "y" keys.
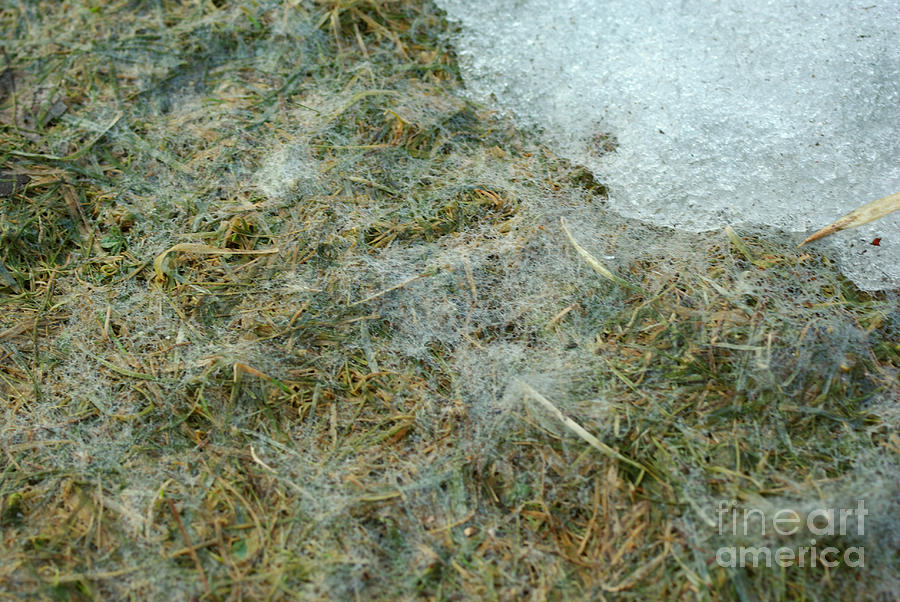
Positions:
{"x": 283, "y": 315}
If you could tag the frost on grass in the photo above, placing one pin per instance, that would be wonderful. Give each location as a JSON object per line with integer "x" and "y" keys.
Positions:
{"x": 333, "y": 400}
{"x": 288, "y": 174}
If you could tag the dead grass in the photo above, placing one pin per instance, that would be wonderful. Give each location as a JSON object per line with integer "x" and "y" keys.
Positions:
{"x": 277, "y": 305}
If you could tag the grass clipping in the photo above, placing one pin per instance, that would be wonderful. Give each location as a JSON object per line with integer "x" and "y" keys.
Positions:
{"x": 869, "y": 212}
{"x": 162, "y": 270}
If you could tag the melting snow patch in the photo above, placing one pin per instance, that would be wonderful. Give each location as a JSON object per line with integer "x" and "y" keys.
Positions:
{"x": 702, "y": 113}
